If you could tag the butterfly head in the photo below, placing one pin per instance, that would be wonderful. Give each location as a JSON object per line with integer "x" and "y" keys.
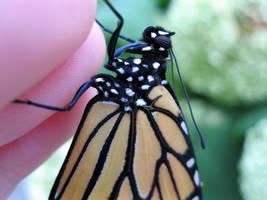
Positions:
{"x": 158, "y": 37}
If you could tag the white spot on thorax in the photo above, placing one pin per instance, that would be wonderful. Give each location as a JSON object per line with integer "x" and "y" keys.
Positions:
{"x": 153, "y": 35}
{"x": 148, "y": 48}
{"x": 99, "y": 80}
{"x": 126, "y": 63}
{"x": 108, "y": 84}
{"x": 106, "y": 94}
{"x": 196, "y": 178}
{"x": 124, "y": 99}
{"x": 161, "y": 49}
{"x": 140, "y": 78}
{"x": 145, "y": 66}
{"x": 145, "y": 87}
{"x": 163, "y": 32}
{"x": 150, "y": 78}
{"x": 114, "y": 91}
{"x": 190, "y": 163}
{"x": 135, "y": 69}
{"x": 120, "y": 70}
{"x": 129, "y": 92}
{"x": 130, "y": 79}
{"x": 140, "y": 102}
{"x": 120, "y": 60}
{"x": 117, "y": 85}
{"x": 156, "y": 65}
{"x": 137, "y": 61}
{"x": 114, "y": 64}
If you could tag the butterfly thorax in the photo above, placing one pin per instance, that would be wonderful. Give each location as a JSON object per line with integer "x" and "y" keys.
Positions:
{"x": 136, "y": 76}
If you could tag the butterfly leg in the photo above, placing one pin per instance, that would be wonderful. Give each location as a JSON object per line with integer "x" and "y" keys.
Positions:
{"x": 114, "y": 38}
{"x": 111, "y": 32}
{"x": 76, "y": 97}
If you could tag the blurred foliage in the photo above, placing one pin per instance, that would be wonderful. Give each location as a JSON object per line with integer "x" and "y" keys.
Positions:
{"x": 221, "y": 47}
{"x": 253, "y": 165}
{"x": 217, "y": 163}
{"x": 163, "y": 3}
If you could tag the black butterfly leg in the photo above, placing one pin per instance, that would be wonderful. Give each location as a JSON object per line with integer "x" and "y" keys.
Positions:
{"x": 122, "y": 49}
{"x": 116, "y": 33}
{"x": 76, "y": 97}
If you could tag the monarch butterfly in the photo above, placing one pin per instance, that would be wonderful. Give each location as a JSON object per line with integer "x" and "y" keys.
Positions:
{"x": 132, "y": 141}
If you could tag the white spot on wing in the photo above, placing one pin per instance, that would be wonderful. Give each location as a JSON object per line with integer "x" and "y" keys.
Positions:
{"x": 190, "y": 163}
{"x": 126, "y": 63}
{"x": 196, "y": 198}
{"x": 162, "y": 49}
{"x": 108, "y": 84}
{"x": 127, "y": 108}
{"x": 196, "y": 178}
{"x": 184, "y": 127}
{"x": 164, "y": 82}
{"x": 110, "y": 102}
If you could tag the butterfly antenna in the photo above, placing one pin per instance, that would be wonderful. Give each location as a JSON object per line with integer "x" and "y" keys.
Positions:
{"x": 172, "y": 72}
{"x": 188, "y": 101}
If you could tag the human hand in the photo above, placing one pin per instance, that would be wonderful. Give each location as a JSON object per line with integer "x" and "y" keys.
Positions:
{"x": 47, "y": 50}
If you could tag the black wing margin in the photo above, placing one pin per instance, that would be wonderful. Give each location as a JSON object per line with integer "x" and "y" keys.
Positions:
{"x": 177, "y": 155}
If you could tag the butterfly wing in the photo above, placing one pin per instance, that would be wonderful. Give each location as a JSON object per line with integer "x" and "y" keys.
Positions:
{"x": 179, "y": 174}
{"x": 142, "y": 154}
{"x": 88, "y": 160}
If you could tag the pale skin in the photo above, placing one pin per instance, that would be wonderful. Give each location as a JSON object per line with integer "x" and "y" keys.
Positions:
{"x": 47, "y": 50}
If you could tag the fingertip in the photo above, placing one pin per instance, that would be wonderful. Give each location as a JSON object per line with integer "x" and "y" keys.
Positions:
{"x": 57, "y": 89}
{"x": 32, "y": 47}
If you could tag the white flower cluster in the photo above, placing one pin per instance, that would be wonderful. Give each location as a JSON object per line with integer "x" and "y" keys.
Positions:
{"x": 253, "y": 164}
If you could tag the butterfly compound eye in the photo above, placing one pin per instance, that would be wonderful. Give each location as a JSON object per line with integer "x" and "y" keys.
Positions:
{"x": 157, "y": 36}
{"x": 163, "y": 41}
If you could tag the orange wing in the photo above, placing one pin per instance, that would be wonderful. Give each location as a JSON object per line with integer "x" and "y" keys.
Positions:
{"x": 144, "y": 154}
